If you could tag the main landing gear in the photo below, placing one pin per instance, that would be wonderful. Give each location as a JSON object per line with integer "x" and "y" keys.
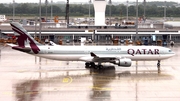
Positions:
{"x": 159, "y": 66}
{"x": 89, "y": 64}
{"x": 92, "y": 65}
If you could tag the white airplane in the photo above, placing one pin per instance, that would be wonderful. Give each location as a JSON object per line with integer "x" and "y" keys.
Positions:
{"x": 118, "y": 55}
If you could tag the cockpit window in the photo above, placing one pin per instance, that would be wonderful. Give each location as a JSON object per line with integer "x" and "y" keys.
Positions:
{"x": 170, "y": 51}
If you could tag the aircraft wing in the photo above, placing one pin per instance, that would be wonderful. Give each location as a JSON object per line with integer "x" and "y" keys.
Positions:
{"x": 120, "y": 61}
{"x": 102, "y": 58}
{"x": 95, "y": 58}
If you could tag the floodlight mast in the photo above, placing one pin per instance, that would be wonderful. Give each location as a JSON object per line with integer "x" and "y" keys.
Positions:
{"x": 51, "y": 9}
{"x": 89, "y": 10}
{"x": 67, "y": 13}
{"x": 136, "y": 20}
{"x": 127, "y": 11}
{"x": 13, "y": 9}
{"x": 40, "y": 20}
{"x": 144, "y": 8}
{"x": 164, "y": 10}
{"x": 110, "y": 4}
{"x": 46, "y": 2}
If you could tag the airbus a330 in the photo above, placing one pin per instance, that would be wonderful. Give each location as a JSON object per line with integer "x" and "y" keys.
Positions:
{"x": 118, "y": 55}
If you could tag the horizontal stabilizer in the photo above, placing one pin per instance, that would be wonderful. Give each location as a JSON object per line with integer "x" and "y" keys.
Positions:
{"x": 12, "y": 45}
{"x": 26, "y": 49}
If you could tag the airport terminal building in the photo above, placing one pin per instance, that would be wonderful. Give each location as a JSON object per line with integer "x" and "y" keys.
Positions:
{"x": 148, "y": 32}
{"x": 103, "y": 35}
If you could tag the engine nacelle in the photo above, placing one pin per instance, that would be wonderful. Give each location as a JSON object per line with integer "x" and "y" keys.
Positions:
{"x": 125, "y": 62}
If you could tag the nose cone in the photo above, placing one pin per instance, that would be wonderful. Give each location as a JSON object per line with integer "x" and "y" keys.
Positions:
{"x": 173, "y": 53}
{"x": 170, "y": 52}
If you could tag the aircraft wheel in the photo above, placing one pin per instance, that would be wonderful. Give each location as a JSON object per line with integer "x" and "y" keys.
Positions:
{"x": 98, "y": 67}
{"x": 92, "y": 64}
{"x": 87, "y": 65}
{"x": 158, "y": 64}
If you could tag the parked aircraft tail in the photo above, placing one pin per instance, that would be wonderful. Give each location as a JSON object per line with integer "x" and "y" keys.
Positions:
{"x": 24, "y": 39}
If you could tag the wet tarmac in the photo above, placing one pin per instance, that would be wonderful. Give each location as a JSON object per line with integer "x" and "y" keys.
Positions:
{"x": 24, "y": 78}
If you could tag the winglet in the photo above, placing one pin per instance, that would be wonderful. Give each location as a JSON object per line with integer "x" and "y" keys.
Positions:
{"x": 11, "y": 45}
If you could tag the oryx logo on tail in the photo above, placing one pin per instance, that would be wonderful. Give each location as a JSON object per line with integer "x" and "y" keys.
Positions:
{"x": 25, "y": 38}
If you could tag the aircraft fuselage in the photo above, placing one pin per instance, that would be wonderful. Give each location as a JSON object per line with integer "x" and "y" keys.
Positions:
{"x": 74, "y": 53}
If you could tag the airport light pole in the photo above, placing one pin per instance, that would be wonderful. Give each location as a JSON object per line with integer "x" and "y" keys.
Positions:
{"x": 110, "y": 3}
{"x": 40, "y": 19}
{"x": 144, "y": 9}
{"x": 127, "y": 11}
{"x": 164, "y": 10}
{"x": 51, "y": 9}
{"x": 67, "y": 13}
{"x": 13, "y": 9}
{"x": 40, "y": 25}
{"x": 46, "y": 2}
{"x": 89, "y": 10}
{"x": 136, "y": 20}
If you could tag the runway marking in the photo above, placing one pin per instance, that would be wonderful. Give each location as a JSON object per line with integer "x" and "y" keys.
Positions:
{"x": 101, "y": 88}
{"x": 8, "y": 93}
{"x": 67, "y": 80}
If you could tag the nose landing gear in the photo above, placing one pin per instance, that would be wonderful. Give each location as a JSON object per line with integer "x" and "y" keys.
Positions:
{"x": 159, "y": 66}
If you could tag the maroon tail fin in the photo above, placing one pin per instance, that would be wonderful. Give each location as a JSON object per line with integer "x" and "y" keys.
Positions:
{"x": 25, "y": 38}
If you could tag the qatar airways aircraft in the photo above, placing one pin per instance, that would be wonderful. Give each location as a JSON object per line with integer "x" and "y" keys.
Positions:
{"x": 118, "y": 55}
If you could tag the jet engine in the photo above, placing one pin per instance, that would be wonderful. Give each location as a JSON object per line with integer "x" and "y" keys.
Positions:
{"x": 125, "y": 62}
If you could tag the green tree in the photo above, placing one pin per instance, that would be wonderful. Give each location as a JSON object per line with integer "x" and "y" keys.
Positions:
{"x": 153, "y": 9}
